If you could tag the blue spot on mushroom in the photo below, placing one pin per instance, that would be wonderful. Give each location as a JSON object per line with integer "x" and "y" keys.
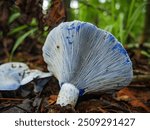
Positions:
{"x": 111, "y": 38}
{"x": 127, "y": 60}
{"x": 69, "y": 39}
{"x": 78, "y": 28}
{"x": 119, "y": 47}
{"x": 81, "y": 92}
{"x": 71, "y": 27}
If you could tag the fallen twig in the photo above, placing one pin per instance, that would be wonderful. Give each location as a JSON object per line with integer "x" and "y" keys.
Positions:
{"x": 138, "y": 78}
{"x": 12, "y": 99}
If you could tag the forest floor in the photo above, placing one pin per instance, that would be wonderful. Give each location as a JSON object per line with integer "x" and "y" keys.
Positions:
{"x": 132, "y": 98}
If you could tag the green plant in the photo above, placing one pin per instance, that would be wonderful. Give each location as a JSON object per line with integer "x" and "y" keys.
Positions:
{"x": 20, "y": 40}
{"x": 19, "y": 29}
{"x": 21, "y": 33}
{"x": 122, "y": 25}
{"x": 123, "y": 18}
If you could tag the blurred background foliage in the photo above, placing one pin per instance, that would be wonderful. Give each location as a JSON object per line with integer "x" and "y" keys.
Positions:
{"x": 31, "y": 20}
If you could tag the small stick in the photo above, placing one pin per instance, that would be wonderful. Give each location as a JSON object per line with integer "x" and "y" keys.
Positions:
{"x": 12, "y": 99}
{"x": 138, "y": 78}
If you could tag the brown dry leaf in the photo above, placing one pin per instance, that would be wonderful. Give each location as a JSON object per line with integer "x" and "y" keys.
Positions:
{"x": 123, "y": 98}
{"x": 56, "y": 13}
{"x": 132, "y": 97}
{"x": 52, "y": 99}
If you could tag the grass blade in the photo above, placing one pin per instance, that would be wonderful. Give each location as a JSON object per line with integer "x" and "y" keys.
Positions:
{"x": 20, "y": 40}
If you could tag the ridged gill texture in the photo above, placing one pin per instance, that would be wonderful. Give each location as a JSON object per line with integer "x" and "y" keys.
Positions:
{"x": 90, "y": 58}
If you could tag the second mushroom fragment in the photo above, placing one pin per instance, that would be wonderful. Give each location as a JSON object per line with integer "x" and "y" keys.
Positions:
{"x": 16, "y": 74}
{"x": 85, "y": 59}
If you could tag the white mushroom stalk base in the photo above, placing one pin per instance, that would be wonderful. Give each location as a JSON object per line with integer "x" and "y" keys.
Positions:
{"x": 68, "y": 95}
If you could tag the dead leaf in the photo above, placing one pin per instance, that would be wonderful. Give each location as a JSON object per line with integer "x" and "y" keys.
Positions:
{"x": 123, "y": 98}
{"x": 56, "y": 13}
{"x": 52, "y": 99}
{"x": 133, "y": 97}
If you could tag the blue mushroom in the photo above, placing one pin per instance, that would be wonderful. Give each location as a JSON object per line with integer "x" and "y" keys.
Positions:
{"x": 85, "y": 59}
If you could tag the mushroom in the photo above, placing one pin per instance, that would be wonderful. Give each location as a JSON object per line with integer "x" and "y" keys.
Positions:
{"x": 15, "y": 74}
{"x": 85, "y": 59}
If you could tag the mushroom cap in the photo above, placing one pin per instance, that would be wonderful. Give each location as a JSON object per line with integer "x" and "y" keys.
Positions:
{"x": 15, "y": 74}
{"x": 90, "y": 58}
{"x": 11, "y": 74}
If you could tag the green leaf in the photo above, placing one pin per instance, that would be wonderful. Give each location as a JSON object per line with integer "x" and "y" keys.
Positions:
{"x": 121, "y": 30}
{"x": 145, "y": 54}
{"x": 17, "y": 29}
{"x": 13, "y": 17}
{"x": 133, "y": 19}
{"x": 131, "y": 8}
{"x": 113, "y": 10}
{"x": 20, "y": 40}
{"x": 33, "y": 22}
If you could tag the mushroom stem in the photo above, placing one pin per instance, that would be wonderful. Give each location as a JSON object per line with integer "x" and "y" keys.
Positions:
{"x": 68, "y": 95}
